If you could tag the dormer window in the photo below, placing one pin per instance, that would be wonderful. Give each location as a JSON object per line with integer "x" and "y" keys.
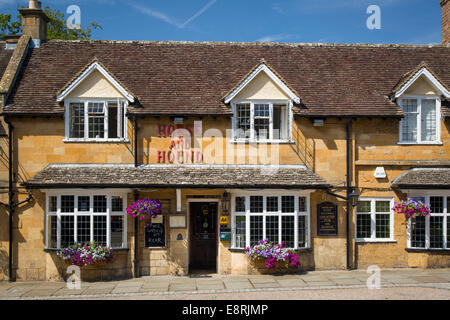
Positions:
{"x": 419, "y": 96}
{"x": 421, "y": 122}
{"x": 261, "y": 121}
{"x": 96, "y": 120}
{"x": 96, "y": 106}
{"x": 262, "y": 107}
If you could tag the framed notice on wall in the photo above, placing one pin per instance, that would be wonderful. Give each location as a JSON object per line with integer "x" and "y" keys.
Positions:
{"x": 327, "y": 219}
{"x": 155, "y": 234}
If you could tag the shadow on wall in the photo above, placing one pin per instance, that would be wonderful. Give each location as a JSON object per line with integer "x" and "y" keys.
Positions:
{"x": 3, "y": 262}
{"x": 304, "y": 148}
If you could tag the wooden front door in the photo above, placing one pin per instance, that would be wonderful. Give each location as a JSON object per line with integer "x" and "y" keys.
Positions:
{"x": 203, "y": 236}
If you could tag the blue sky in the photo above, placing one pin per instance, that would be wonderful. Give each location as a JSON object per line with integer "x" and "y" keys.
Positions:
{"x": 329, "y": 21}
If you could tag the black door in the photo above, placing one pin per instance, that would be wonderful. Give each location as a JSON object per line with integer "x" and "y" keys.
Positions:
{"x": 203, "y": 236}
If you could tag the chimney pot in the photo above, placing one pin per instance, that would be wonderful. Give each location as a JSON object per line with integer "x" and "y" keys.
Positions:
{"x": 445, "y": 4}
{"x": 34, "y": 4}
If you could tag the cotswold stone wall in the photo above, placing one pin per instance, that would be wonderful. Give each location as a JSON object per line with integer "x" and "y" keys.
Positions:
{"x": 39, "y": 142}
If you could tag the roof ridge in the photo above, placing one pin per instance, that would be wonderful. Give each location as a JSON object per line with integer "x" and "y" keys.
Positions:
{"x": 255, "y": 43}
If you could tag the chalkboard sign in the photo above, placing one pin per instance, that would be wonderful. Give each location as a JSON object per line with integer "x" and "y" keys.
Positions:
{"x": 327, "y": 220}
{"x": 155, "y": 234}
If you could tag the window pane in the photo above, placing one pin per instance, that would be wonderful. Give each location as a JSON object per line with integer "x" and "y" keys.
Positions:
{"x": 262, "y": 129}
{"x": 240, "y": 204}
{"x": 112, "y": 121}
{"x": 240, "y": 231}
{"x": 429, "y": 120}
{"x": 287, "y": 204}
{"x": 437, "y": 204}
{"x": 448, "y": 230}
{"x": 302, "y": 231}
{"x": 409, "y": 122}
{"x": 243, "y": 121}
{"x": 116, "y": 203}
{"x": 67, "y": 231}
{"x": 100, "y": 230}
{"x": 52, "y": 232}
{"x": 117, "y": 232}
{"x": 363, "y": 226}
{"x": 302, "y": 204}
{"x": 84, "y": 203}
{"x": 76, "y": 120}
{"x": 256, "y": 204}
{"x": 418, "y": 232}
{"x": 383, "y": 206}
{"x": 99, "y": 203}
{"x": 436, "y": 232}
{"x": 83, "y": 229}
{"x": 287, "y": 231}
{"x": 279, "y": 122}
{"x": 256, "y": 229}
{"x": 262, "y": 110}
{"x": 363, "y": 206}
{"x": 383, "y": 226}
{"x": 67, "y": 204}
{"x": 52, "y": 205}
{"x": 96, "y": 120}
{"x": 272, "y": 228}
{"x": 272, "y": 204}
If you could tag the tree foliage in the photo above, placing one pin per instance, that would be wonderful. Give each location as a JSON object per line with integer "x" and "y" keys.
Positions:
{"x": 56, "y": 29}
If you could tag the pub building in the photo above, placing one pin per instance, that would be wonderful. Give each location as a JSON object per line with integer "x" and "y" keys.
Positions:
{"x": 305, "y": 144}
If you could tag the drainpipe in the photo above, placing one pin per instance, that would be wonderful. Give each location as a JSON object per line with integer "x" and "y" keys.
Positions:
{"x": 349, "y": 188}
{"x": 136, "y": 195}
{"x": 349, "y": 191}
{"x": 12, "y": 277}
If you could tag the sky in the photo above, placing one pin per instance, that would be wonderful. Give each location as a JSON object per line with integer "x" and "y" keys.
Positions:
{"x": 298, "y": 21}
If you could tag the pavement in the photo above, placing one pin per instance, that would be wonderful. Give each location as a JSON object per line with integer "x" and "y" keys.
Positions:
{"x": 164, "y": 286}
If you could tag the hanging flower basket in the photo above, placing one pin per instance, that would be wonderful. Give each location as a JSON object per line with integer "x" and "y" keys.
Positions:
{"x": 144, "y": 210}
{"x": 273, "y": 255}
{"x": 411, "y": 209}
{"x": 86, "y": 254}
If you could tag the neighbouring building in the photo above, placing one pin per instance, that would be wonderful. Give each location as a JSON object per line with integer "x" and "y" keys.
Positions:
{"x": 273, "y": 137}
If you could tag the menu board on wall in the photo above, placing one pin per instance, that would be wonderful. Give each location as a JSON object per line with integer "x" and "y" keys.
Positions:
{"x": 155, "y": 234}
{"x": 327, "y": 219}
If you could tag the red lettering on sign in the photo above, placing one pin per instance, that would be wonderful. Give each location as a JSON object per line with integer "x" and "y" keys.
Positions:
{"x": 161, "y": 130}
{"x": 161, "y": 156}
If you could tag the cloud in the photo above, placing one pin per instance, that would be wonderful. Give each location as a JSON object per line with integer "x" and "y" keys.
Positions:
{"x": 275, "y": 37}
{"x": 276, "y": 7}
{"x": 166, "y": 18}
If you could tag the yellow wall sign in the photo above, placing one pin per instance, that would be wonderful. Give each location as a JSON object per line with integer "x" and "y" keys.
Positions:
{"x": 223, "y": 220}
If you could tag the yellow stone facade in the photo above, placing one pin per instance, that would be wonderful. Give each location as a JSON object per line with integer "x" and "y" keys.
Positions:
{"x": 39, "y": 142}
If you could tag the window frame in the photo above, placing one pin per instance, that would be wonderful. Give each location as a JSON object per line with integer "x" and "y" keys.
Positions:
{"x": 445, "y": 214}
{"x": 271, "y": 103}
{"x": 265, "y": 194}
{"x": 122, "y": 106}
{"x": 76, "y": 213}
{"x": 419, "y": 140}
{"x": 373, "y": 226}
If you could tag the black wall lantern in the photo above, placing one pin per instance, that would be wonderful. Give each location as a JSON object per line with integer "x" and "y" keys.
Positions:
{"x": 354, "y": 198}
{"x": 225, "y": 203}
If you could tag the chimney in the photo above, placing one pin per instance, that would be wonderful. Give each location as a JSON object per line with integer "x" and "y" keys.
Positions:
{"x": 34, "y": 22}
{"x": 445, "y": 4}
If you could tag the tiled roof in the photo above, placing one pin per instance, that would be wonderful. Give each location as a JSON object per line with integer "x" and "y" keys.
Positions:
{"x": 423, "y": 178}
{"x": 176, "y": 176}
{"x": 5, "y": 55}
{"x": 186, "y": 78}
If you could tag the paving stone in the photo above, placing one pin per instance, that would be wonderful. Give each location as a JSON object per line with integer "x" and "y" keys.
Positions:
{"x": 238, "y": 285}
{"x": 126, "y": 289}
{"x": 210, "y": 286}
{"x": 403, "y": 281}
{"x": 314, "y": 279}
{"x": 429, "y": 279}
{"x": 348, "y": 282}
{"x": 68, "y": 292}
{"x": 182, "y": 287}
{"x": 320, "y": 284}
{"x": 40, "y": 293}
{"x": 261, "y": 285}
{"x": 130, "y": 284}
{"x": 262, "y": 280}
{"x": 291, "y": 284}
{"x": 155, "y": 289}
{"x": 48, "y": 286}
{"x": 101, "y": 286}
{"x": 96, "y": 291}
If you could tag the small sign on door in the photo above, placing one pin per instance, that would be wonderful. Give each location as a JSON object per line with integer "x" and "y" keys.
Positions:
{"x": 223, "y": 220}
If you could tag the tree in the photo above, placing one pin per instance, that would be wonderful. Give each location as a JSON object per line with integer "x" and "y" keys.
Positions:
{"x": 57, "y": 27}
